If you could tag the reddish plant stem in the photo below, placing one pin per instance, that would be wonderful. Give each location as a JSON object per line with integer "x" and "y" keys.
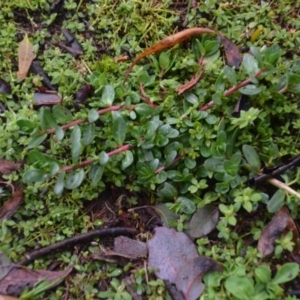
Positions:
{"x": 79, "y": 121}
{"x": 234, "y": 89}
{"x": 145, "y": 98}
{"x": 173, "y": 162}
{"x": 90, "y": 161}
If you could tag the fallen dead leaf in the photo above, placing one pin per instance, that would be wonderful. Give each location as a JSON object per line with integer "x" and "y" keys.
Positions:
{"x": 46, "y": 99}
{"x": 5, "y": 87}
{"x": 204, "y": 221}
{"x": 281, "y": 223}
{"x": 20, "y": 278}
{"x": 26, "y": 56}
{"x": 129, "y": 248}
{"x": 11, "y": 205}
{"x": 175, "y": 258}
{"x": 234, "y": 57}
{"x": 6, "y": 166}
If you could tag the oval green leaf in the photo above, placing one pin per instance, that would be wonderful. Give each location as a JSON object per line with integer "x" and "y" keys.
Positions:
{"x": 74, "y": 179}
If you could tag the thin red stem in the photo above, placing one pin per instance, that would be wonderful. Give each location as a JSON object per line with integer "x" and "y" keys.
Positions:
{"x": 234, "y": 89}
{"x": 90, "y": 161}
{"x": 79, "y": 121}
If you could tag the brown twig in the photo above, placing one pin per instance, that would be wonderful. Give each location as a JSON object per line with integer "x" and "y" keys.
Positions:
{"x": 234, "y": 89}
{"x": 101, "y": 232}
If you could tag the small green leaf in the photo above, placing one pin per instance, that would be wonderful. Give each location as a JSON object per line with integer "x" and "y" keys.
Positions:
{"x": 118, "y": 127}
{"x": 95, "y": 173}
{"x": 251, "y": 157}
{"x": 108, "y": 96}
{"x": 263, "y": 274}
{"x": 190, "y": 163}
{"x": 287, "y": 272}
{"x": 47, "y": 119}
{"x": 215, "y": 164}
{"x": 59, "y": 185}
{"x": 164, "y": 60}
{"x": 250, "y": 89}
{"x": 161, "y": 177}
{"x": 103, "y": 158}
{"x": 230, "y": 74}
{"x": 35, "y": 175}
{"x": 75, "y": 143}
{"x": 144, "y": 109}
{"x": 276, "y": 202}
{"x": 88, "y": 133}
{"x": 170, "y": 157}
{"x": 271, "y": 54}
{"x": 74, "y": 179}
{"x": 36, "y": 140}
{"x": 187, "y": 206}
{"x": 61, "y": 114}
{"x": 167, "y": 191}
{"x": 93, "y": 115}
{"x": 59, "y": 133}
{"x": 26, "y": 126}
{"x": 241, "y": 287}
{"x": 191, "y": 98}
{"x": 249, "y": 64}
{"x": 127, "y": 160}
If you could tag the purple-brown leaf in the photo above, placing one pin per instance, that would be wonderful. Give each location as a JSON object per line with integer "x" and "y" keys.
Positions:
{"x": 6, "y": 166}
{"x": 204, "y": 221}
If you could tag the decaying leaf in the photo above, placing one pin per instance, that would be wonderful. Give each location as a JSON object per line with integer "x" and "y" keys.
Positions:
{"x": 11, "y": 205}
{"x": 6, "y": 166}
{"x": 188, "y": 280}
{"x": 175, "y": 258}
{"x": 204, "y": 221}
{"x": 83, "y": 93}
{"x": 46, "y": 99}
{"x": 26, "y": 56}
{"x": 36, "y": 69}
{"x": 20, "y": 278}
{"x": 233, "y": 55}
{"x": 129, "y": 248}
{"x": 281, "y": 223}
{"x": 5, "y": 87}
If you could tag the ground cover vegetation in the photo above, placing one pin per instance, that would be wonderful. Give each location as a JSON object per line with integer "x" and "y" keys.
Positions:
{"x": 200, "y": 135}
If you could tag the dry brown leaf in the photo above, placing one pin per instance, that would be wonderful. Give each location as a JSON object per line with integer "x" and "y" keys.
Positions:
{"x": 20, "y": 278}
{"x": 129, "y": 248}
{"x": 46, "y": 99}
{"x": 281, "y": 224}
{"x": 6, "y": 166}
{"x": 168, "y": 42}
{"x": 3, "y": 297}
{"x": 11, "y": 205}
{"x": 26, "y": 56}
{"x": 233, "y": 55}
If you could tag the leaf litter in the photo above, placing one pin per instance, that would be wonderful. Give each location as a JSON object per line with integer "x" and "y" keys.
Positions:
{"x": 281, "y": 224}
{"x": 175, "y": 258}
{"x": 26, "y": 56}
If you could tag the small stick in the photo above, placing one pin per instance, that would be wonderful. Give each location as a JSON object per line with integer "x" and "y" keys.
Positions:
{"x": 75, "y": 240}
